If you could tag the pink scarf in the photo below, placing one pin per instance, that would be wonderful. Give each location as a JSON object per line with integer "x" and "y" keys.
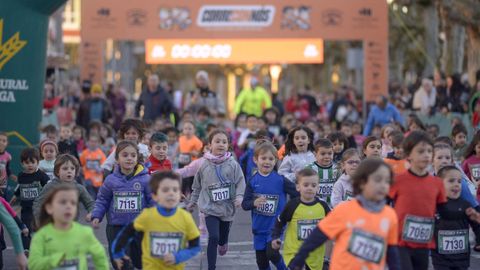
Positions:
{"x": 217, "y": 159}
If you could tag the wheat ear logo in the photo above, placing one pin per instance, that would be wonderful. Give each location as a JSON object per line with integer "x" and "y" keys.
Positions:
{"x": 11, "y": 47}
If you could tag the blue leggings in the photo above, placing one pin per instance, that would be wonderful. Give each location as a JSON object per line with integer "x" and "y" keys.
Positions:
{"x": 218, "y": 231}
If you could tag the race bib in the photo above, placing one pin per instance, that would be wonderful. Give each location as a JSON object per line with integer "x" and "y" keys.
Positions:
{"x": 127, "y": 202}
{"x": 184, "y": 159}
{"x": 220, "y": 192}
{"x": 366, "y": 246}
{"x": 475, "y": 171}
{"x": 28, "y": 192}
{"x": 305, "y": 228}
{"x": 417, "y": 229}
{"x": 452, "y": 241}
{"x": 93, "y": 165}
{"x": 68, "y": 265}
{"x": 269, "y": 208}
{"x": 325, "y": 189}
{"x": 162, "y": 243}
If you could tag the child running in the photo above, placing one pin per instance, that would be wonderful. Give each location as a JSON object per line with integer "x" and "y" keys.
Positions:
{"x": 471, "y": 164}
{"x": 91, "y": 160}
{"x": 49, "y": 152}
{"x": 372, "y": 147}
{"x": 452, "y": 228}
{"x": 266, "y": 196}
{"x": 5, "y": 159}
{"x": 170, "y": 234}
{"x": 300, "y": 216}
{"x": 364, "y": 229}
{"x": 122, "y": 197}
{"x": 62, "y": 243}
{"x": 342, "y": 189}
{"x": 412, "y": 189}
{"x": 299, "y": 150}
{"x": 130, "y": 130}
{"x": 158, "y": 158}
{"x": 30, "y": 183}
{"x": 328, "y": 171}
{"x": 65, "y": 171}
{"x": 218, "y": 189}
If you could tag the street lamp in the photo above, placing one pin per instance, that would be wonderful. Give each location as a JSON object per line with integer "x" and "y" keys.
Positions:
{"x": 275, "y": 71}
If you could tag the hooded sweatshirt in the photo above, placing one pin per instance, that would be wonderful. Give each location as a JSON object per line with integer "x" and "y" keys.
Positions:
{"x": 122, "y": 197}
{"x": 217, "y": 184}
{"x": 84, "y": 196}
{"x": 342, "y": 190}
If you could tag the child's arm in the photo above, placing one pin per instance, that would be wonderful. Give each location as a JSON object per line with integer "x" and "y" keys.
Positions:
{"x": 186, "y": 254}
{"x": 286, "y": 169}
{"x": 85, "y": 198}
{"x": 248, "y": 198}
{"x": 107, "y": 166}
{"x": 191, "y": 169}
{"x": 290, "y": 188}
{"x": 467, "y": 195}
{"x": 284, "y": 218}
{"x": 196, "y": 188}
{"x": 37, "y": 203}
{"x": 337, "y": 194}
{"x": 38, "y": 259}
{"x": 240, "y": 185}
{"x": 7, "y": 221}
{"x": 102, "y": 204}
{"x": 97, "y": 251}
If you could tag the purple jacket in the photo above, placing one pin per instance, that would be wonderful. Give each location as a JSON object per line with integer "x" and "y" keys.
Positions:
{"x": 123, "y": 199}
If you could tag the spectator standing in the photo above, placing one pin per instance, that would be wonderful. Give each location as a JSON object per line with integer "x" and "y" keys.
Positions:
{"x": 381, "y": 114}
{"x": 425, "y": 97}
{"x": 253, "y": 100}
{"x": 203, "y": 96}
{"x": 154, "y": 100}
{"x": 94, "y": 108}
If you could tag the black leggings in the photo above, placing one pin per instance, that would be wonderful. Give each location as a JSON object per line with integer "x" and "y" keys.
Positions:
{"x": 265, "y": 256}
{"x": 414, "y": 258}
{"x": 218, "y": 231}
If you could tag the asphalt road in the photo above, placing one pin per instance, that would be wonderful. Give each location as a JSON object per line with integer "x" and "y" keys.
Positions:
{"x": 240, "y": 256}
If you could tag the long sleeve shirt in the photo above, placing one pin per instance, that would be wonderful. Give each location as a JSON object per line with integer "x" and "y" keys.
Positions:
{"x": 50, "y": 250}
{"x": 12, "y": 229}
{"x": 378, "y": 116}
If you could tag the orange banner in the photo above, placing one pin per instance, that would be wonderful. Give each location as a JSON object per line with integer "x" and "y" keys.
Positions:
{"x": 233, "y": 51}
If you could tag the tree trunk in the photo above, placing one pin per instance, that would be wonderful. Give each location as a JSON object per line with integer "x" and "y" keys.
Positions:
{"x": 473, "y": 53}
{"x": 457, "y": 48}
{"x": 430, "y": 22}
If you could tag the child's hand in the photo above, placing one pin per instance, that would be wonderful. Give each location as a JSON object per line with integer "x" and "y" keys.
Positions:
{"x": 191, "y": 207}
{"x": 473, "y": 215}
{"x": 88, "y": 217}
{"x": 259, "y": 201}
{"x": 22, "y": 261}
{"x": 169, "y": 259}
{"x": 119, "y": 262}
{"x": 238, "y": 202}
{"x": 25, "y": 232}
{"x": 95, "y": 223}
{"x": 276, "y": 244}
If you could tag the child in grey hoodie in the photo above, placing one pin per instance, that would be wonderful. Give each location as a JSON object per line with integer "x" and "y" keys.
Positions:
{"x": 342, "y": 189}
{"x": 218, "y": 189}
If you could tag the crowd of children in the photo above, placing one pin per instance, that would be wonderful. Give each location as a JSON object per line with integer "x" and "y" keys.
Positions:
{"x": 400, "y": 198}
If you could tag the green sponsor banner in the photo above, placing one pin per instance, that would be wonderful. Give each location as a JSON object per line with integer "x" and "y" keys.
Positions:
{"x": 23, "y": 48}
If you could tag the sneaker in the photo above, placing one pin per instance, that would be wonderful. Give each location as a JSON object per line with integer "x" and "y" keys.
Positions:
{"x": 222, "y": 250}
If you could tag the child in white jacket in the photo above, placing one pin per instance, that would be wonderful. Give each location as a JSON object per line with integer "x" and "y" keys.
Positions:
{"x": 342, "y": 189}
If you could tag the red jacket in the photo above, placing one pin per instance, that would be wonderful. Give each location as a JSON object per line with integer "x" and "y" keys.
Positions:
{"x": 157, "y": 165}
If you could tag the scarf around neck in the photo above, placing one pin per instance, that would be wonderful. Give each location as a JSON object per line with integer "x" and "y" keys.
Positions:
{"x": 217, "y": 159}
{"x": 371, "y": 206}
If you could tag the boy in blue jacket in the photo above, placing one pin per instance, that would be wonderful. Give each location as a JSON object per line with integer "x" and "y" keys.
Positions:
{"x": 266, "y": 195}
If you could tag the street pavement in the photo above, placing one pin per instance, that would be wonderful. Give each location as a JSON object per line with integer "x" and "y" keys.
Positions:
{"x": 240, "y": 256}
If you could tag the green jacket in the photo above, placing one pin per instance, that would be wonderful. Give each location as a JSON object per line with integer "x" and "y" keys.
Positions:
{"x": 253, "y": 101}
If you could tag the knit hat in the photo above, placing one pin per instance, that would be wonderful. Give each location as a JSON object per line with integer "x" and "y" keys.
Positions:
{"x": 96, "y": 89}
{"x": 48, "y": 142}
